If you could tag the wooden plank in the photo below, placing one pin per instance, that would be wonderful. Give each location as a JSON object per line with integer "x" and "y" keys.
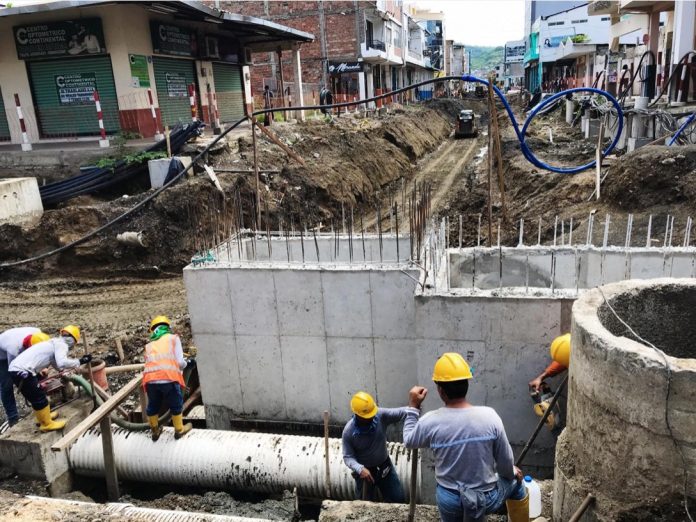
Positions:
{"x": 105, "y": 395}
{"x": 111, "y": 476}
{"x": 282, "y": 145}
{"x": 97, "y": 415}
{"x": 143, "y": 403}
{"x": 192, "y": 399}
{"x": 119, "y": 350}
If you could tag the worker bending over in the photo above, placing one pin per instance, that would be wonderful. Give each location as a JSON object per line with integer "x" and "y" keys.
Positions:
{"x": 365, "y": 449}
{"x": 25, "y": 368}
{"x": 163, "y": 377}
{"x": 474, "y": 466}
{"x": 12, "y": 341}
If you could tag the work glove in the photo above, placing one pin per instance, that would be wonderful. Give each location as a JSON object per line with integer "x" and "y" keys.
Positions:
{"x": 190, "y": 363}
{"x": 86, "y": 359}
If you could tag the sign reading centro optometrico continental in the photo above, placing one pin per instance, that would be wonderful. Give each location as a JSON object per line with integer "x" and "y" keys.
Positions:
{"x": 173, "y": 39}
{"x": 57, "y": 39}
{"x": 76, "y": 88}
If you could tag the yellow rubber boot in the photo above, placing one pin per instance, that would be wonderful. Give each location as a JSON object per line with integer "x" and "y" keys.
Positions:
{"x": 154, "y": 427}
{"x": 54, "y": 416}
{"x": 46, "y": 423}
{"x": 180, "y": 429}
{"x": 518, "y": 510}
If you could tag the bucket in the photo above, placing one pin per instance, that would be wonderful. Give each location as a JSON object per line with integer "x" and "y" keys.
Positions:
{"x": 99, "y": 373}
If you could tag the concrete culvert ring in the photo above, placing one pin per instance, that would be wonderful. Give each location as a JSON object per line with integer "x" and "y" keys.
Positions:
{"x": 617, "y": 444}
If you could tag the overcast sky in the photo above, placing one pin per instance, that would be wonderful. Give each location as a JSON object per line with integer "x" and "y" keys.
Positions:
{"x": 480, "y": 22}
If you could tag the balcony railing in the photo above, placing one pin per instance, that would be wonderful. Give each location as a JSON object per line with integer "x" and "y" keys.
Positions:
{"x": 376, "y": 44}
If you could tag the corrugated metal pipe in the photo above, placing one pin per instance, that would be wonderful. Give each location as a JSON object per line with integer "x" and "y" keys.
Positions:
{"x": 131, "y": 512}
{"x": 230, "y": 460}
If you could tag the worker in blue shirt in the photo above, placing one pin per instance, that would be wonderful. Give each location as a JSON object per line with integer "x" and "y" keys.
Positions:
{"x": 365, "y": 449}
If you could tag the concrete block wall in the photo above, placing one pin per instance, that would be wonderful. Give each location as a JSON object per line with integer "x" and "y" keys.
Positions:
{"x": 20, "y": 201}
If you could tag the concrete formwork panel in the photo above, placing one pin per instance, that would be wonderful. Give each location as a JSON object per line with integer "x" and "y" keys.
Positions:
{"x": 212, "y": 308}
{"x": 565, "y": 271}
{"x": 351, "y": 363}
{"x": 613, "y": 267}
{"x": 347, "y": 299}
{"x": 305, "y": 377}
{"x": 392, "y": 307}
{"x": 680, "y": 264}
{"x": 487, "y": 270}
{"x": 395, "y": 369}
{"x": 299, "y": 302}
{"x": 253, "y": 297}
{"x": 222, "y": 384}
{"x": 261, "y": 376}
{"x": 539, "y": 273}
{"x": 645, "y": 264}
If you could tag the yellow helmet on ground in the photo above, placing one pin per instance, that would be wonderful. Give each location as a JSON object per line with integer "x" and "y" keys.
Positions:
{"x": 35, "y": 338}
{"x": 560, "y": 350}
{"x": 72, "y": 330}
{"x": 451, "y": 367}
{"x": 363, "y": 405}
{"x": 160, "y": 319}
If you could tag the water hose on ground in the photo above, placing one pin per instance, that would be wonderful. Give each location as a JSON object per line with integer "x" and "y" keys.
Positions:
{"x": 681, "y": 129}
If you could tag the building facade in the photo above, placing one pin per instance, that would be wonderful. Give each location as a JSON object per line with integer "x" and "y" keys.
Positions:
{"x": 177, "y": 60}
{"x": 362, "y": 48}
{"x": 513, "y": 75}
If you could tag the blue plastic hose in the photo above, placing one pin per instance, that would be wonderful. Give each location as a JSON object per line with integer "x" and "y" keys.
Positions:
{"x": 521, "y": 133}
{"x": 681, "y": 129}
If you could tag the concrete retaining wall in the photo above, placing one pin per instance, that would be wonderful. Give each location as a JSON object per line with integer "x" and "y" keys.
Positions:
{"x": 282, "y": 343}
{"x": 20, "y": 201}
{"x": 563, "y": 268}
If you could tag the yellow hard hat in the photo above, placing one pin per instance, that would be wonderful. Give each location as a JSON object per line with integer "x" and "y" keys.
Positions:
{"x": 363, "y": 405}
{"x": 38, "y": 337}
{"x": 560, "y": 350}
{"x": 72, "y": 330}
{"x": 451, "y": 367}
{"x": 160, "y": 319}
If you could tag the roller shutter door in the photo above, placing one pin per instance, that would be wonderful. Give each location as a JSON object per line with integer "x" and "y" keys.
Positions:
{"x": 62, "y": 96}
{"x": 172, "y": 78}
{"x": 4, "y": 127}
{"x": 228, "y": 91}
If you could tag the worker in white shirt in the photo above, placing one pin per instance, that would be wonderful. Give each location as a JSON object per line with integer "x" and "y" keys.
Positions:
{"x": 11, "y": 343}
{"x": 28, "y": 364}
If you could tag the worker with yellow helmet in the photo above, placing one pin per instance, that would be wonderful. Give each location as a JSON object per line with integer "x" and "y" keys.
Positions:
{"x": 365, "y": 449}
{"x": 541, "y": 392}
{"x": 11, "y": 343}
{"x": 163, "y": 377}
{"x": 474, "y": 466}
{"x": 28, "y": 365}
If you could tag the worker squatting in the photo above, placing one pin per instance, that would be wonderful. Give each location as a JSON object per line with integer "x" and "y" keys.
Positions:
{"x": 26, "y": 353}
{"x": 474, "y": 466}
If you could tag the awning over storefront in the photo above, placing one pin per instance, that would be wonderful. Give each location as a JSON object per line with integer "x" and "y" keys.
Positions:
{"x": 254, "y": 33}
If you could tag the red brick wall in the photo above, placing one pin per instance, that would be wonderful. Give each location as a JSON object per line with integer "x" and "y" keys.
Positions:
{"x": 343, "y": 28}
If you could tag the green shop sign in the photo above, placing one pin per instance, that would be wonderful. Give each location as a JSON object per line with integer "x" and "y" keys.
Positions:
{"x": 76, "y": 88}
{"x": 140, "y": 76}
{"x": 173, "y": 39}
{"x": 58, "y": 39}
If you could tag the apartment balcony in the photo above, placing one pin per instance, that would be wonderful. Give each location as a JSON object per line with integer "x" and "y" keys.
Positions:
{"x": 415, "y": 58}
{"x": 645, "y": 6}
{"x": 374, "y": 51}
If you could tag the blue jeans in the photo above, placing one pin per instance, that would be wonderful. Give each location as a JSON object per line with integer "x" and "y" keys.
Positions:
{"x": 389, "y": 487}
{"x": 169, "y": 392}
{"x": 7, "y": 394}
{"x": 450, "y": 506}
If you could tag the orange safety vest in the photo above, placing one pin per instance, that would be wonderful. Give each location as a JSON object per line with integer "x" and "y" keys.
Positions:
{"x": 160, "y": 361}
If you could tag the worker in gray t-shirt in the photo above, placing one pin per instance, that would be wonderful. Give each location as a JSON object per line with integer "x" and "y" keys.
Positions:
{"x": 474, "y": 467}
{"x": 365, "y": 449}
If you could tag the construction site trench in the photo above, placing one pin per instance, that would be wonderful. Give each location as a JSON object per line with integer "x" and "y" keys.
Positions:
{"x": 357, "y": 176}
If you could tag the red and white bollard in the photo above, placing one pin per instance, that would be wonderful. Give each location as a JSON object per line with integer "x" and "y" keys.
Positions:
{"x": 192, "y": 101}
{"x": 103, "y": 142}
{"x": 680, "y": 90}
{"x": 158, "y": 135}
{"x": 216, "y": 116}
{"x": 26, "y": 145}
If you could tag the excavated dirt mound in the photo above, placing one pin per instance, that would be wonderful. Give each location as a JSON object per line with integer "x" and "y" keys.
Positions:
{"x": 654, "y": 175}
{"x": 349, "y": 162}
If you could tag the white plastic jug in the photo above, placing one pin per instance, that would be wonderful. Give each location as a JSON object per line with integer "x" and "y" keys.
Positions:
{"x": 534, "y": 496}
